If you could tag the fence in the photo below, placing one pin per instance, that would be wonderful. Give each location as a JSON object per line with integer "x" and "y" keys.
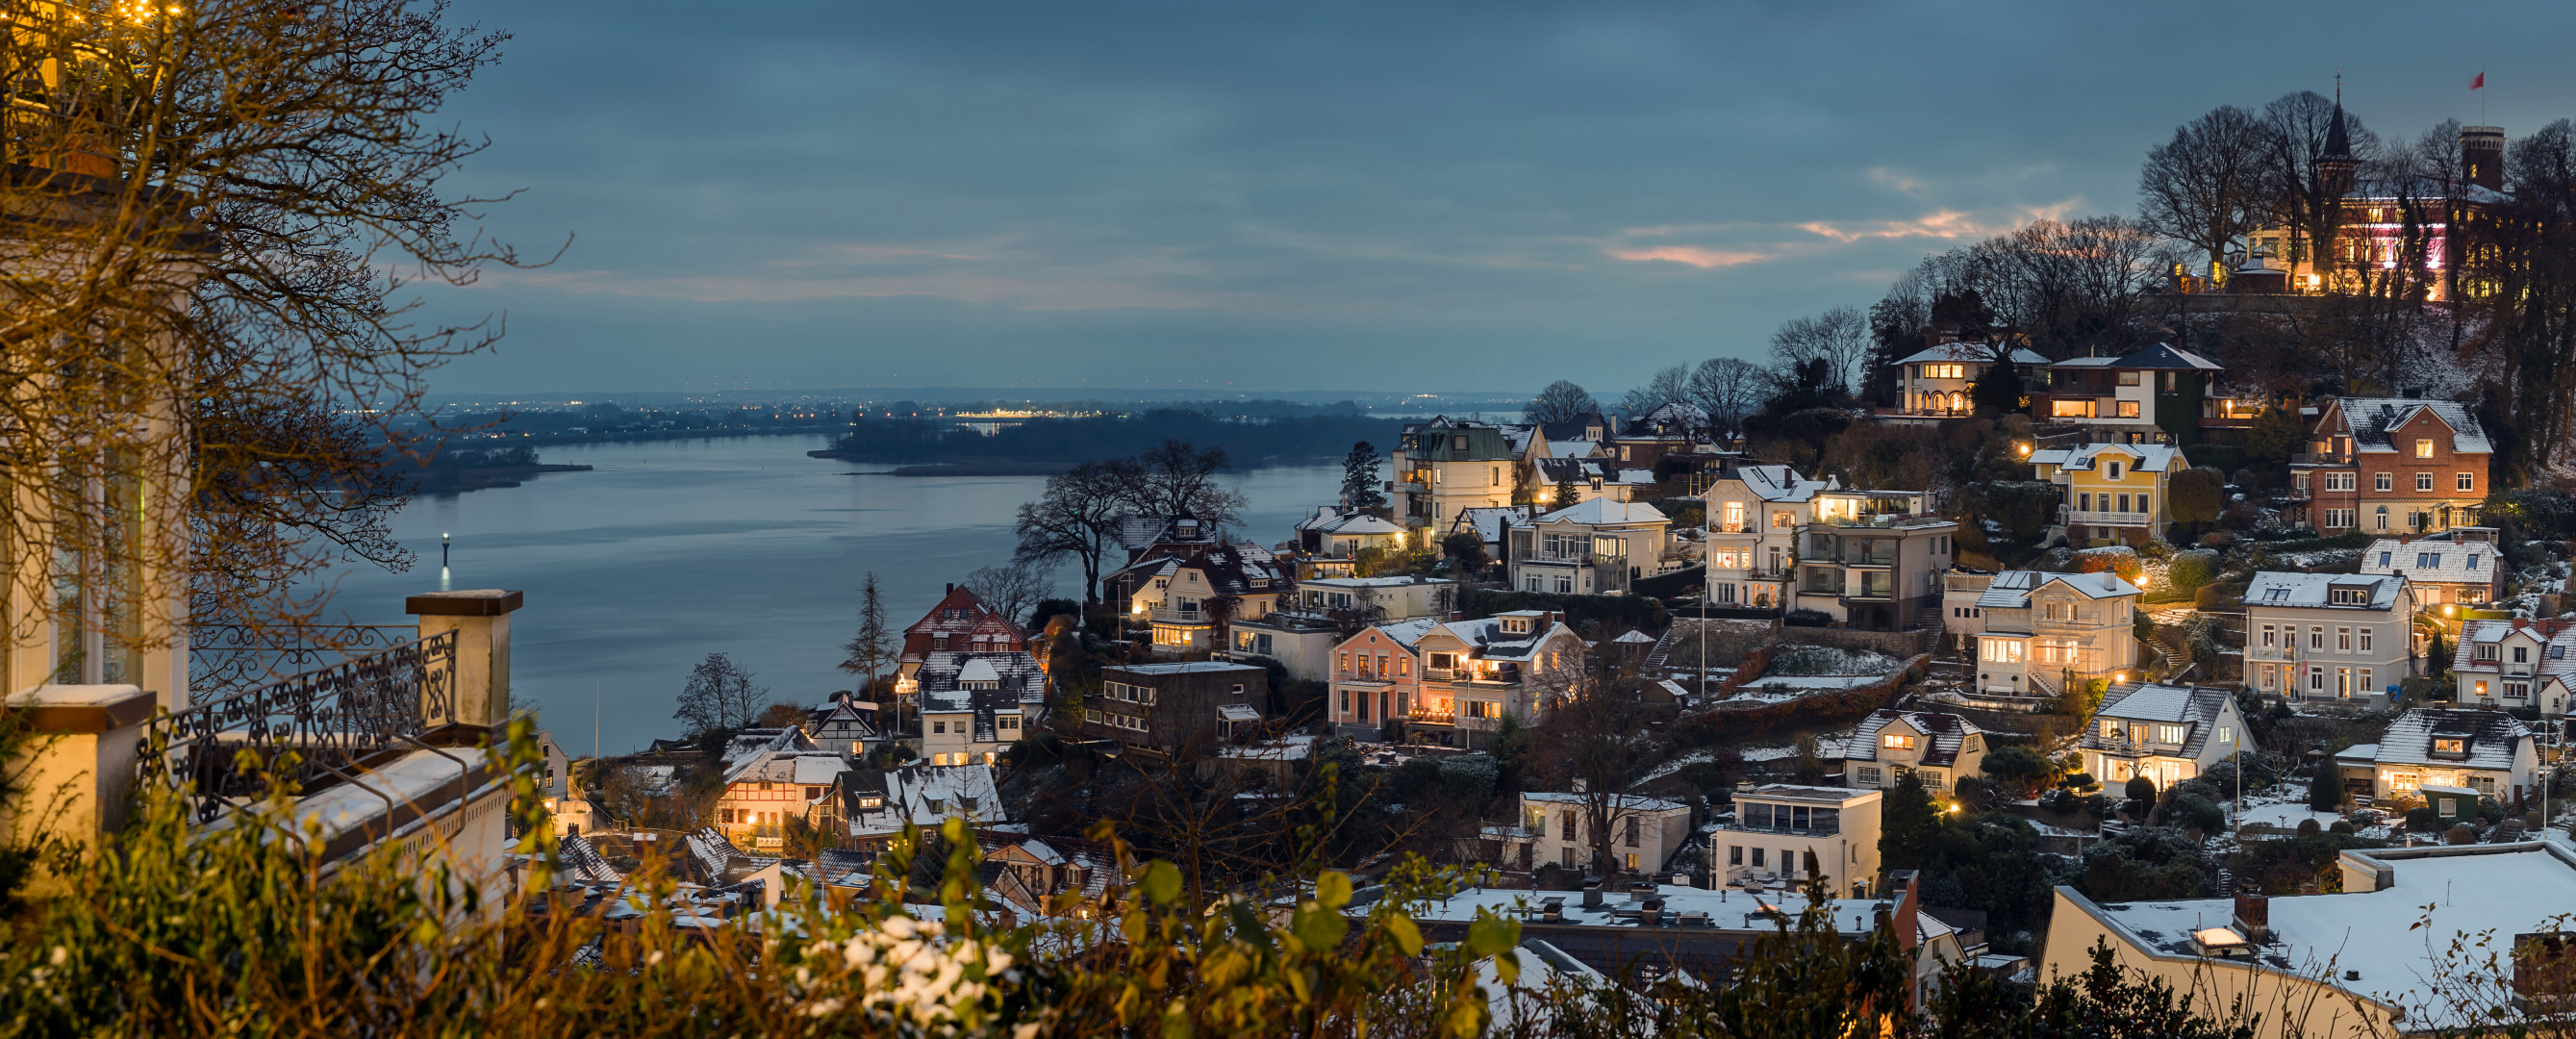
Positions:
{"x": 312, "y": 729}
{"x": 224, "y": 659}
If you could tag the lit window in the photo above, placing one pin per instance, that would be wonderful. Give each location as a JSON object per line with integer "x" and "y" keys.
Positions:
{"x": 2423, "y": 449}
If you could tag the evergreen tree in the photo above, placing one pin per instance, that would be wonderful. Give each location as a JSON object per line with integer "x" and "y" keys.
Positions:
{"x": 1360, "y": 486}
{"x": 1907, "y": 824}
{"x": 2325, "y": 792}
{"x": 1998, "y": 390}
{"x": 873, "y": 647}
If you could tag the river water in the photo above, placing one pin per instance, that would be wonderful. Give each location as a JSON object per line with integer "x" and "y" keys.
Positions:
{"x": 666, "y": 552}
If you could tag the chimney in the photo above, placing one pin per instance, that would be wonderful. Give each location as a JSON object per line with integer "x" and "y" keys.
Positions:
{"x": 2110, "y": 580}
{"x": 1909, "y": 903}
{"x": 952, "y": 588}
{"x": 1592, "y": 894}
{"x": 2482, "y": 156}
{"x": 2254, "y": 917}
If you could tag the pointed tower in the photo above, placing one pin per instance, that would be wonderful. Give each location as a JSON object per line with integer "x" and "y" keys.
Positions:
{"x": 2335, "y": 165}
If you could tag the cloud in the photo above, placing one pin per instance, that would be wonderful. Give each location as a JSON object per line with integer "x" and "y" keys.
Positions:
{"x": 1017, "y": 293}
{"x": 1944, "y": 224}
{"x": 1897, "y": 182}
{"x": 1693, "y": 255}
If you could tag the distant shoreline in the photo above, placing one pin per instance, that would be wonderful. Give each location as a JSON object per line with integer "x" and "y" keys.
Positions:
{"x": 1005, "y": 467}
{"x": 458, "y": 480}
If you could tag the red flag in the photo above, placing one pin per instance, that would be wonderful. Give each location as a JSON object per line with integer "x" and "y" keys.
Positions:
{"x": 2479, "y": 83}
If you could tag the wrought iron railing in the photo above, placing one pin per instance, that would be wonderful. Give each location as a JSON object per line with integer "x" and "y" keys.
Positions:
{"x": 312, "y": 730}
{"x": 224, "y": 659}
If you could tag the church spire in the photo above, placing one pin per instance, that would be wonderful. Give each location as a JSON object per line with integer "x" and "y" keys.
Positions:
{"x": 2338, "y": 143}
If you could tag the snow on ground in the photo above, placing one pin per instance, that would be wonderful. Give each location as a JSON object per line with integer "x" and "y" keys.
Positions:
{"x": 1828, "y": 660}
{"x": 2285, "y": 815}
{"x": 2316, "y": 557}
{"x": 2534, "y": 582}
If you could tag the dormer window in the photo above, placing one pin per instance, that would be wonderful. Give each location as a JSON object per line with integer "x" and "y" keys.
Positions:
{"x": 2114, "y": 470}
{"x": 2486, "y": 651}
{"x": 1516, "y": 626}
{"x": 1896, "y": 741}
{"x": 2423, "y": 449}
{"x": 2522, "y": 654}
{"x": 2454, "y": 745}
{"x": 2349, "y": 596}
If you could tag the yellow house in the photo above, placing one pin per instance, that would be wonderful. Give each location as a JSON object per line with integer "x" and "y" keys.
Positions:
{"x": 2112, "y": 492}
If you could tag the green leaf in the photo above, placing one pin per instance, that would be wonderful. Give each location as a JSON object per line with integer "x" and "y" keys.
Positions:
{"x": 1319, "y": 928}
{"x": 1162, "y": 882}
{"x": 1408, "y": 938}
{"x": 1492, "y": 935}
{"x": 1333, "y": 889}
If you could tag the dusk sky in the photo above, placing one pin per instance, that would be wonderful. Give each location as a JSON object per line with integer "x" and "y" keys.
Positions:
{"x": 1376, "y": 196}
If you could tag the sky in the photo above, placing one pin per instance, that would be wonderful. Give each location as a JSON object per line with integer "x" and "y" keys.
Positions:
{"x": 1373, "y": 196}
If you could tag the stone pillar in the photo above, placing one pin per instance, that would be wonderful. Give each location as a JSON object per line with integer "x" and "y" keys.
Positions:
{"x": 481, "y": 620}
{"x": 78, "y": 770}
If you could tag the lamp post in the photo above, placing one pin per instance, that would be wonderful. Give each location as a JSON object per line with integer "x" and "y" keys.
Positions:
{"x": 442, "y": 549}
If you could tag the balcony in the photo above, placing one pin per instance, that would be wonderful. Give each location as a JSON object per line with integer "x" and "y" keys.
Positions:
{"x": 2279, "y": 653}
{"x": 1738, "y": 527}
{"x": 1168, "y": 615}
{"x": 1432, "y": 716}
{"x": 2321, "y": 458}
{"x": 1864, "y": 557}
{"x": 1829, "y": 830}
{"x": 2100, "y": 518}
{"x": 1441, "y": 674}
{"x": 1869, "y": 593}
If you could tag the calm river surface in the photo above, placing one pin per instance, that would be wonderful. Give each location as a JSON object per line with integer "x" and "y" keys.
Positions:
{"x": 669, "y": 551}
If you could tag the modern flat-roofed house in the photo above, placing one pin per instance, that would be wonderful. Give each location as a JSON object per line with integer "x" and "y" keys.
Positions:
{"x": 2042, "y": 630}
{"x": 2490, "y": 752}
{"x": 2110, "y": 492}
{"x": 2515, "y": 664}
{"x": 1452, "y": 682}
{"x": 2460, "y": 567}
{"x": 1941, "y": 382}
{"x": 1594, "y": 547}
{"x": 1935, "y": 746}
{"x": 1176, "y": 711}
{"x": 1873, "y": 559}
{"x": 1556, "y": 829}
{"x": 2329, "y": 638}
{"x": 2393, "y": 924}
{"x": 1778, "y": 825}
{"x": 2393, "y": 464}
{"x": 1301, "y": 631}
{"x": 2167, "y": 733}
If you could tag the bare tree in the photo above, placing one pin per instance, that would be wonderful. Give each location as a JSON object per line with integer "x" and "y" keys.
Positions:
{"x": 207, "y": 336}
{"x": 1176, "y": 477}
{"x": 720, "y": 695}
{"x": 1012, "y": 590}
{"x": 1669, "y": 386}
{"x": 1598, "y": 744}
{"x": 1839, "y": 337}
{"x": 1727, "y": 389}
{"x": 2206, "y": 186}
{"x": 1078, "y": 518}
{"x": 2303, "y": 180}
{"x": 1561, "y": 401}
{"x": 873, "y": 647}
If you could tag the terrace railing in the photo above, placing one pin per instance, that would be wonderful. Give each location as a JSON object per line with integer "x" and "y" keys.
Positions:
{"x": 224, "y": 659}
{"x": 313, "y": 729}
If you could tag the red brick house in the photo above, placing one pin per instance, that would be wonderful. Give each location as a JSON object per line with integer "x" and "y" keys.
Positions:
{"x": 961, "y": 623}
{"x": 2391, "y": 465}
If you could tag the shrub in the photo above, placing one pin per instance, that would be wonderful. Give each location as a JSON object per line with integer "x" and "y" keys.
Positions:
{"x": 2325, "y": 792}
{"x": 2460, "y": 833}
{"x": 2422, "y": 819}
{"x": 2119, "y": 559}
{"x": 1805, "y": 618}
{"x": 2192, "y": 570}
{"x": 2309, "y": 828}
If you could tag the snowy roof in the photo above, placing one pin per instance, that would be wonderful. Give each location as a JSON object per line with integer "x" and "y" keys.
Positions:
{"x": 2196, "y": 707}
{"x": 2153, "y": 458}
{"x": 2552, "y": 639}
{"x": 1575, "y": 448}
{"x": 960, "y": 618}
{"x": 1979, "y": 352}
{"x": 1625, "y": 803}
{"x": 1601, "y": 512}
{"x": 1333, "y": 519}
{"x": 923, "y": 794}
{"x": 1185, "y": 668}
{"x": 794, "y": 767}
{"x": 2364, "y": 753}
{"x": 2011, "y": 589}
{"x": 2277, "y": 588}
{"x": 1780, "y": 483}
{"x": 2490, "y": 739}
{"x": 1358, "y": 583}
{"x": 1235, "y": 712}
{"x": 2433, "y": 899}
{"x": 978, "y": 669}
{"x": 1633, "y": 635}
{"x": 2370, "y": 420}
{"x": 1487, "y": 522}
{"x": 2440, "y": 562}
{"x": 1948, "y": 734}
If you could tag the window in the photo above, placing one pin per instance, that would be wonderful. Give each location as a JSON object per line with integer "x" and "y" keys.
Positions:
{"x": 2468, "y": 481}
{"x": 2343, "y": 640}
{"x": 2365, "y": 639}
{"x": 1734, "y": 517}
{"x": 2365, "y": 680}
{"x": 2423, "y": 481}
{"x": 2517, "y": 690}
{"x": 2423, "y": 449}
{"x": 2347, "y": 597}
{"x": 2068, "y": 408}
{"x": 2267, "y": 636}
{"x": 2383, "y": 558}
{"x": 2383, "y": 481}
{"x": 1869, "y": 776}
{"x": 2169, "y": 734}
{"x": 2128, "y": 409}
{"x": 1896, "y": 741}
{"x": 939, "y": 726}
{"x": 2115, "y": 470}
{"x": 2485, "y": 651}
{"x": 2316, "y": 638}
{"x": 1631, "y": 836}
{"x": 2450, "y": 745}
{"x": 2316, "y": 679}
{"x": 1781, "y": 520}
{"x": 2129, "y": 378}
{"x": 2522, "y": 654}
{"x": 2340, "y": 481}
{"x": 2473, "y": 560}
{"x": 2003, "y": 651}
{"x": 2339, "y": 517}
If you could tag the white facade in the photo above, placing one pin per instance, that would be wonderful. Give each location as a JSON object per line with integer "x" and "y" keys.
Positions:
{"x": 1777, "y": 826}
{"x": 2328, "y": 637}
{"x": 1645, "y": 831}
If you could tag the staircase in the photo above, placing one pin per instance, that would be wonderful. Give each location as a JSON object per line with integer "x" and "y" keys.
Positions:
{"x": 1929, "y": 624}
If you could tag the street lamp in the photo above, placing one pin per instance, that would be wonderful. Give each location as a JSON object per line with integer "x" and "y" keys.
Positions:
{"x": 443, "y": 539}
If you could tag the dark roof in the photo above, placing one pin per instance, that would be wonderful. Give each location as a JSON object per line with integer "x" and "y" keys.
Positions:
{"x": 2338, "y": 141}
{"x": 1140, "y": 534}
{"x": 1018, "y": 681}
{"x": 960, "y": 614}
{"x": 1948, "y": 733}
{"x": 2160, "y": 356}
